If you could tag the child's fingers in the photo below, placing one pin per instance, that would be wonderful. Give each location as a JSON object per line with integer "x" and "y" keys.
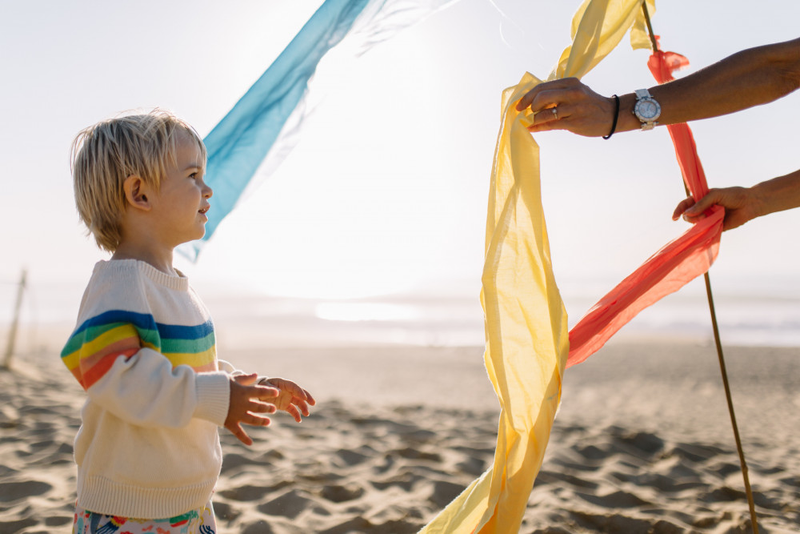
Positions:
{"x": 246, "y": 380}
{"x": 265, "y": 392}
{"x": 294, "y": 412}
{"x": 292, "y": 398}
{"x": 302, "y": 405}
{"x": 261, "y": 407}
{"x": 255, "y": 420}
{"x": 287, "y": 385}
{"x": 301, "y": 393}
{"x": 240, "y": 434}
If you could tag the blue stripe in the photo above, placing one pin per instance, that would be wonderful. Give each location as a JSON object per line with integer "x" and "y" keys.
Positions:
{"x": 174, "y": 331}
{"x": 142, "y": 321}
{"x": 146, "y": 322}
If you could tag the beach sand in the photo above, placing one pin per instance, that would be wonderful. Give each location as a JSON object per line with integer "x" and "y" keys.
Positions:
{"x": 642, "y": 443}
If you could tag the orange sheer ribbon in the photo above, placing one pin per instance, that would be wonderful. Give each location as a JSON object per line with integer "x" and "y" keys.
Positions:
{"x": 669, "y": 269}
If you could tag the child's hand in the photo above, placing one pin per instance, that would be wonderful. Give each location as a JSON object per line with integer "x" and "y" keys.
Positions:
{"x": 248, "y": 399}
{"x": 292, "y": 398}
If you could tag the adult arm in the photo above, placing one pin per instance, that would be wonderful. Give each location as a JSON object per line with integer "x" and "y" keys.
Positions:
{"x": 748, "y": 78}
{"x": 743, "y": 204}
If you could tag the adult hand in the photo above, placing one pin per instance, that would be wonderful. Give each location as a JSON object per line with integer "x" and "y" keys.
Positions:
{"x": 578, "y": 109}
{"x": 739, "y": 203}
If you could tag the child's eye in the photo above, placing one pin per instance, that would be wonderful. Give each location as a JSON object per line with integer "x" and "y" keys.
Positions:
{"x": 193, "y": 176}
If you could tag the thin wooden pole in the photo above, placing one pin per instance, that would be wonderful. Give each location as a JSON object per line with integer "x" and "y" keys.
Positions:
{"x": 718, "y": 343}
{"x": 728, "y": 397}
{"x": 651, "y": 33}
{"x": 12, "y": 334}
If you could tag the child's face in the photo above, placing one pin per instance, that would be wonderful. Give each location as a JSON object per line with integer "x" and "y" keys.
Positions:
{"x": 182, "y": 202}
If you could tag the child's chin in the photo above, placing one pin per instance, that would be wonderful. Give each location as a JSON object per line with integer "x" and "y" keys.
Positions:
{"x": 196, "y": 236}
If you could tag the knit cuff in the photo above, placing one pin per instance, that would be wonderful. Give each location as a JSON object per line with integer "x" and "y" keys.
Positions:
{"x": 213, "y": 397}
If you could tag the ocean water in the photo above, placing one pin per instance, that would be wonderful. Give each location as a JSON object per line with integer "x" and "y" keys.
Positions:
{"x": 766, "y": 315}
{"x": 746, "y": 318}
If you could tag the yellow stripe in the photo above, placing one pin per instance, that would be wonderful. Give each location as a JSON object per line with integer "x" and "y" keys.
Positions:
{"x": 72, "y": 360}
{"x": 196, "y": 359}
{"x": 99, "y": 343}
{"x": 108, "y": 338}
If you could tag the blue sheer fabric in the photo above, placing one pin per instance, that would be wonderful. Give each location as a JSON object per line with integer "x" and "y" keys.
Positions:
{"x": 263, "y": 120}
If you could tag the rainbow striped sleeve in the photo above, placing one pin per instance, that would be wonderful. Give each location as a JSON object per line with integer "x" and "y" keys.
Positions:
{"x": 99, "y": 341}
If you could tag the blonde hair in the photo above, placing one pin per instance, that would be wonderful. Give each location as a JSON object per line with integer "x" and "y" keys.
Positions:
{"x": 104, "y": 155}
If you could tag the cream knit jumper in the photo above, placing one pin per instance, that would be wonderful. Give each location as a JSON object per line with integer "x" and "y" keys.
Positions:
{"x": 144, "y": 351}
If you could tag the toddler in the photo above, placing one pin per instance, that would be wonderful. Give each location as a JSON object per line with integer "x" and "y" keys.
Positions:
{"x": 148, "y": 450}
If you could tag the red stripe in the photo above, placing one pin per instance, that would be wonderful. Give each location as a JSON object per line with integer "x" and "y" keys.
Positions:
{"x": 96, "y": 372}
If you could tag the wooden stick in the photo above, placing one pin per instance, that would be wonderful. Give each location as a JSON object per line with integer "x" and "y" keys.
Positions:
{"x": 718, "y": 343}
{"x": 728, "y": 397}
{"x": 650, "y": 31}
{"x": 12, "y": 334}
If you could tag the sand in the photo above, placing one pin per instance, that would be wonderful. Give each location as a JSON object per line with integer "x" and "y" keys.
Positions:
{"x": 642, "y": 443}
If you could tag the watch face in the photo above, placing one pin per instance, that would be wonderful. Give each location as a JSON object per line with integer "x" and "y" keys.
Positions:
{"x": 648, "y": 109}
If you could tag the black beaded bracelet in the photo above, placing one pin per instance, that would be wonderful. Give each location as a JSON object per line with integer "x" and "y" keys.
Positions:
{"x": 616, "y": 118}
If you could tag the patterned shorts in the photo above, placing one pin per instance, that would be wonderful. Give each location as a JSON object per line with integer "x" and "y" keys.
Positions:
{"x": 200, "y": 521}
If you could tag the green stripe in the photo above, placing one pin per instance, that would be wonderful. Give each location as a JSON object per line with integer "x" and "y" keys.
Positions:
{"x": 88, "y": 335}
{"x": 187, "y": 346}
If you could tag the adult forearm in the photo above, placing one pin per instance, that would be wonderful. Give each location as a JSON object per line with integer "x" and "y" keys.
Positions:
{"x": 749, "y": 78}
{"x": 778, "y": 194}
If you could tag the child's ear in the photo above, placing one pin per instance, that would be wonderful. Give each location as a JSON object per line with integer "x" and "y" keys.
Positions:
{"x": 136, "y": 191}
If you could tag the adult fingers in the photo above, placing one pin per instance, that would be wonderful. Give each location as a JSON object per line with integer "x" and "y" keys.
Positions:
{"x": 703, "y": 204}
{"x": 682, "y": 207}
{"x": 540, "y": 93}
{"x": 528, "y": 97}
{"x": 546, "y": 125}
{"x": 694, "y": 211}
{"x": 548, "y": 115}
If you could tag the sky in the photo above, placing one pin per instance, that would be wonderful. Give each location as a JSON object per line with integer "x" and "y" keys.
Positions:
{"x": 386, "y": 191}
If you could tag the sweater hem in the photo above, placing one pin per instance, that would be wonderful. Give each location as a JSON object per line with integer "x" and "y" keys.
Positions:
{"x": 103, "y": 496}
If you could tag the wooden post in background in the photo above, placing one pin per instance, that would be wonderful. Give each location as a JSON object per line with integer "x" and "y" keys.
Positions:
{"x": 12, "y": 334}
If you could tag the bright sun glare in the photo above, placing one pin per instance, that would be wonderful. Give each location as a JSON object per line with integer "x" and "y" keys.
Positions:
{"x": 330, "y": 225}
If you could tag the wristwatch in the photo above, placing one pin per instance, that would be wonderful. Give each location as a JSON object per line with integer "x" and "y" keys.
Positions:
{"x": 647, "y": 110}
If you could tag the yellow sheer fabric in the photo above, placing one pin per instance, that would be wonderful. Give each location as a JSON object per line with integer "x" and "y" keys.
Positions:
{"x": 526, "y": 322}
